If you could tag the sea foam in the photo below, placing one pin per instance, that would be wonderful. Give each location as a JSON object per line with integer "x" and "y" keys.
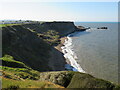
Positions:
{"x": 70, "y": 55}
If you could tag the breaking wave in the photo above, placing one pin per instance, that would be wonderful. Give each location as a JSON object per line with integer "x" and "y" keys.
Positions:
{"x": 70, "y": 55}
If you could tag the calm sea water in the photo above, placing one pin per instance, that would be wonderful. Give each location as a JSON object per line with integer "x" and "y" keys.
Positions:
{"x": 97, "y": 50}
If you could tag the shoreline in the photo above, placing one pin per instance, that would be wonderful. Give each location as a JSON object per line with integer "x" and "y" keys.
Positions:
{"x": 71, "y": 64}
{"x": 62, "y": 41}
{"x": 58, "y": 47}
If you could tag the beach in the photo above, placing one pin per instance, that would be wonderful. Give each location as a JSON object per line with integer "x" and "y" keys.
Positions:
{"x": 65, "y": 47}
{"x": 62, "y": 41}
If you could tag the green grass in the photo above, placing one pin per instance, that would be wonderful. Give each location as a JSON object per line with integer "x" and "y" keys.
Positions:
{"x": 13, "y": 68}
{"x": 9, "y": 61}
{"x": 5, "y": 25}
{"x": 17, "y": 73}
{"x": 11, "y": 84}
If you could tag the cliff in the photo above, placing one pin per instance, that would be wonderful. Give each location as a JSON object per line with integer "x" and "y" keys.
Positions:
{"x": 24, "y": 44}
{"x": 28, "y": 54}
{"x": 63, "y": 28}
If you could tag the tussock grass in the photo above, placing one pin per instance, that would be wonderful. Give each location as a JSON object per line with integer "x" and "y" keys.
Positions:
{"x": 11, "y": 84}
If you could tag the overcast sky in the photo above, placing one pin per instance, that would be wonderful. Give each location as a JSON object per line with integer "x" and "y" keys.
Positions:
{"x": 60, "y": 11}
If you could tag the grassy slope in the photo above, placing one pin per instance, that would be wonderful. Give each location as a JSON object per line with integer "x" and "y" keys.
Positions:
{"x": 24, "y": 77}
{"x": 29, "y": 78}
{"x": 81, "y": 80}
{"x": 8, "y": 83}
{"x": 17, "y": 70}
{"x": 5, "y": 25}
{"x": 8, "y": 60}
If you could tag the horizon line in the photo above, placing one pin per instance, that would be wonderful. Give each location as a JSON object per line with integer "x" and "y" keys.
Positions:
{"x": 53, "y": 20}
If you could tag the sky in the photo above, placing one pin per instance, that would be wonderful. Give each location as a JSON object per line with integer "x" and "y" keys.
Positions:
{"x": 60, "y": 11}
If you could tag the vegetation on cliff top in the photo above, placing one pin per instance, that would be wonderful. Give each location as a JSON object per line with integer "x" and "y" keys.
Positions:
{"x": 5, "y": 25}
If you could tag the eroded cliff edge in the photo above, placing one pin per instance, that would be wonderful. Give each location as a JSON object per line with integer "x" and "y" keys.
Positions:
{"x": 24, "y": 44}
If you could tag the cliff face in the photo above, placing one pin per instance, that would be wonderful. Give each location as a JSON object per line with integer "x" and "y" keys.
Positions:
{"x": 25, "y": 46}
{"x": 63, "y": 28}
{"x": 22, "y": 42}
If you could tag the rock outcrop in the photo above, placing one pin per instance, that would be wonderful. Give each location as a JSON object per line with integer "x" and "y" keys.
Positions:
{"x": 102, "y": 28}
{"x": 70, "y": 79}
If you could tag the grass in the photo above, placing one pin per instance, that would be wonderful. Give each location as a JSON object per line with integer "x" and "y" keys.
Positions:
{"x": 51, "y": 37}
{"x": 8, "y": 83}
{"x": 9, "y": 61}
{"x": 15, "y": 69}
{"x": 20, "y": 73}
{"x": 5, "y": 25}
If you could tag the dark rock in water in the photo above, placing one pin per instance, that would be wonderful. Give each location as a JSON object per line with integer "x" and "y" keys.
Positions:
{"x": 102, "y": 28}
{"x": 80, "y": 28}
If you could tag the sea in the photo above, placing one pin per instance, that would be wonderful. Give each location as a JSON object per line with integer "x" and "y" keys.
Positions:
{"x": 94, "y": 51}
